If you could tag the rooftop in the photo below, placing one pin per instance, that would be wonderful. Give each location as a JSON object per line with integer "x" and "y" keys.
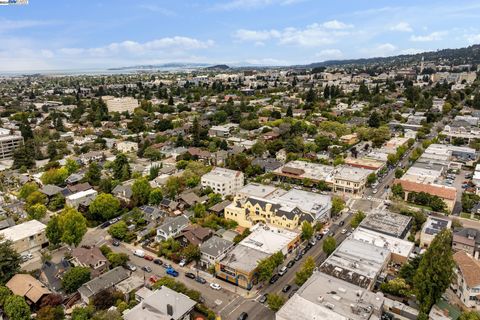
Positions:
{"x": 243, "y": 258}
{"x": 469, "y": 267}
{"x": 351, "y": 173}
{"x": 269, "y": 239}
{"x": 23, "y": 230}
{"x": 257, "y": 190}
{"x": 219, "y": 174}
{"x": 434, "y": 225}
{"x": 303, "y": 169}
{"x": 394, "y": 245}
{"x": 387, "y": 222}
{"x": 215, "y": 246}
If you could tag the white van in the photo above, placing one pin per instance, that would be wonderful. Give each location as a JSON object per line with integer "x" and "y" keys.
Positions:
{"x": 139, "y": 253}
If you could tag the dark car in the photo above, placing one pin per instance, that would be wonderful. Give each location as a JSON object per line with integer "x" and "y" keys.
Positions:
{"x": 243, "y": 316}
{"x": 319, "y": 236}
{"x": 105, "y": 224}
{"x": 286, "y": 288}
{"x": 263, "y": 298}
{"x": 290, "y": 263}
{"x": 200, "y": 280}
{"x": 115, "y": 243}
{"x": 292, "y": 293}
{"x": 274, "y": 278}
{"x": 341, "y": 223}
{"x": 158, "y": 261}
{"x": 298, "y": 256}
{"x": 303, "y": 252}
{"x": 190, "y": 275}
{"x": 147, "y": 269}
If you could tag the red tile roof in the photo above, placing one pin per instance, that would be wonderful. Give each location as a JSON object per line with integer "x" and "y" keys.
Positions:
{"x": 443, "y": 192}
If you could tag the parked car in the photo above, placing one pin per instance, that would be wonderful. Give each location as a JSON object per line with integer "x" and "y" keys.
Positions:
{"x": 298, "y": 256}
{"x": 344, "y": 231}
{"x": 319, "y": 236}
{"x": 190, "y": 275}
{"x": 182, "y": 263}
{"x": 172, "y": 272}
{"x": 167, "y": 265}
{"x": 115, "y": 243}
{"x": 282, "y": 271}
{"x": 105, "y": 224}
{"x": 154, "y": 278}
{"x": 139, "y": 253}
{"x": 263, "y": 298}
{"x": 312, "y": 242}
{"x": 292, "y": 293}
{"x": 158, "y": 261}
{"x": 148, "y": 258}
{"x": 243, "y": 316}
{"x": 215, "y": 286}
{"x": 130, "y": 266}
{"x": 290, "y": 263}
{"x": 200, "y": 280}
{"x": 286, "y": 288}
{"x": 274, "y": 278}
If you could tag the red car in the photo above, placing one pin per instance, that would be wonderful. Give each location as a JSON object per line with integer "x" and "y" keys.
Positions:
{"x": 153, "y": 279}
{"x": 147, "y": 257}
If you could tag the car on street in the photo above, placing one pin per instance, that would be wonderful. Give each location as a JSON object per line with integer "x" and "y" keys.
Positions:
{"x": 182, "y": 263}
{"x": 298, "y": 256}
{"x": 139, "y": 253}
{"x": 282, "y": 271}
{"x": 26, "y": 257}
{"x": 190, "y": 275}
{"x": 344, "y": 231}
{"x": 313, "y": 241}
{"x": 105, "y": 224}
{"x": 158, "y": 261}
{"x": 215, "y": 286}
{"x": 304, "y": 251}
{"x": 172, "y": 272}
{"x": 325, "y": 231}
{"x": 200, "y": 280}
{"x": 147, "y": 269}
{"x": 341, "y": 223}
{"x": 130, "y": 266}
{"x": 147, "y": 257}
{"x": 319, "y": 236}
{"x": 263, "y": 298}
{"x": 243, "y": 316}
{"x": 115, "y": 243}
{"x": 374, "y": 191}
{"x": 292, "y": 292}
{"x": 154, "y": 278}
{"x": 286, "y": 288}
{"x": 274, "y": 278}
{"x": 290, "y": 263}
{"x": 167, "y": 265}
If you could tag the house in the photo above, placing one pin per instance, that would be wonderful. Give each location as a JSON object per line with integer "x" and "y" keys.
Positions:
{"x": 466, "y": 283}
{"x": 162, "y": 304}
{"x": 431, "y": 228}
{"x": 50, "y": 190}
{"x": 74, "y": 178}
{"x": 267, "y": 164}
{"x": 194, "y": 235}
{"x": 51, "y": 274}
{"x": 6, "y": 223}
{"x": 467, "y": 240}
{"x": 26, "y": 286}
{"x": 172, "y": 227}
{"x": 91, "y": 258}
{"x": 83, "y": 198}
{"x": 104, "y": 281}
{"x": 213, "y": 250}
{"x": 152, "y": 213}
{"x": 349, "y": 139}
{"x": 127, "y": 146}
{"x": 26, "y": 237}
{"x": 223, "y": 181}
{"x": 123, "y": 191}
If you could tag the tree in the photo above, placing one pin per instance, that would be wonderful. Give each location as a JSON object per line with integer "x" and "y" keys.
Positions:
{"x": 337, "y": 205}
{"x": 105, "y": 299}
{"x": 329, "y": 245}
{"x": 289, "y": 112}
{"x": 9, "y": 261}
{"x": 434, "y": 274}
{"x": 83, "y": 313}
{"x": 392, "y": 159}
{"x": 36, "y": 211}
{"x": 36, "y": 197}
{"x": 55, "y": 176}
{"x": 374, "y": 120}
{"x": 93, "y": 174}
{"x": 152, "y": 153}
{"x": 155, "y": 197}
{"x": 117, "y": 259}
{"x": 104, "y": 206}
{"x": 397, "y": 287}
{"x": 307, "y": 230}
{"x": 153, "y": 172}
{"x": 53, "y": 231}
{"x": 398, "y": 173}
{"x": 4, "y": 294}
{"x": 275, "y": 301}
{"x": 73, "y": 225}
{"x": 27, "y": 189}
{"x": 357, "y": 219}
{"x": 71, "y": 165}
{"x": 371, "y": 178}
{"x": 305, "y": 272}
{"x": 397, "y": 190}
{"x": 470, "y": 315}
{"x": 50, "y": 313}
{"x": 106, "y": 185}
{"x": 258, "y": 149}
{"x": 118, "y": 230}
{"x": 141, "y": 191}
{"x": 16, "y": 308}
{"x": 74, "y": 278}
{"x": 192, "y": 253}
{"x": 121, "y": 168}
{"x": 266, "y": 267}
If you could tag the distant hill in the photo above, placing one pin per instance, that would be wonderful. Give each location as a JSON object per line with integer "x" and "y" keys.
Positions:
{"x": 171, "y": 65}
{"x": 468, "y": 55}
{"x": 218, "y": 67}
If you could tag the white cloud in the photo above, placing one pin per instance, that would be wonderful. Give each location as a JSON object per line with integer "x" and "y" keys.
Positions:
{"x": 337, "y": 25}
{"x": 411, "y": 51}
{"x": 9, "y": 25}
{"x": 402, "y": 27}
{"x": 252, "y": 4}
{"x": 267, "y": 62}
{"x": 434, "y": 36}
{"x": 329, "y": 54}
{"x": 381, "y": 50}
{"x": 157, "y": 9}
{"x": 473, "y": 38}
{"x": 311, "y": 36}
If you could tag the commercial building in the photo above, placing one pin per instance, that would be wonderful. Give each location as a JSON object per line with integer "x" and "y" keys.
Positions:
{"x": 356, "y": 262}
{"x": 125, "y": 104}
{"x": 161, "y": 304}
{"x": 365, "y": 163}
{"x": 300, "y": 170}
{"x": 431, "y": 228}
{"x": 466, "y": 282}
{"x": 350, "y": 179}
{"x": 239, "y": 265}
{"x": 279, "y": 208}
{"x": 223, "y": 181}
{"x": 388, "y": 223}
{"x": 26, "y": 237}
{"x": 328, "y": 298}
{"x": 9, "y": 143}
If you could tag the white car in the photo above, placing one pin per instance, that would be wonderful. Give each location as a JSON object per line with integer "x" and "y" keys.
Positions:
{"x": 344, "y": 231}
{"x": 374, "y": 191}
{"x": 182, "y": 263}
{"x": 215, "y": 286}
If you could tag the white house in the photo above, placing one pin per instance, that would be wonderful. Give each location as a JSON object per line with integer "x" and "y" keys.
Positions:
{"x": 223, "y": 181}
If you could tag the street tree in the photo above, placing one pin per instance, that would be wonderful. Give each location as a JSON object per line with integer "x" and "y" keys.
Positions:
{"x": 357, "y": 219}
{"x": 305, "y": 272}
{"x": 329, "y": 245}
{"x": 73, "y": 225}
{"x": 337, "y": 205}
{"x": 307, "y": 230}
{"x": 275, "y": 301}
{"x": 104, "y": 206}
{"x": 118, "y": 230}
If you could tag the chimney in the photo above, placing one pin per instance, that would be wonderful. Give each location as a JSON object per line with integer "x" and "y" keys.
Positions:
{"x": 169, "y": 309}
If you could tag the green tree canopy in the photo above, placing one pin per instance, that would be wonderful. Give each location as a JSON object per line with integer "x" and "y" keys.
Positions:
{"x": 93, "y": 174}
{"x": 305, "y": 272}
{"x": 141, "y": 191}
{"x": 358, "y": 218}
{"x": 54, "y": 231}
{"x": 74, "y": 278}
{"x": 16, "y": 308}
{"x": 9, "y": 261}
{"x": 104, "y": 206}
{"x": 73, "y": 225}
{"x": 118, "y": 230}
{"x": 275, "y": 301}
{"x": 329, "y": 245}
{"x": 307, "y": 230}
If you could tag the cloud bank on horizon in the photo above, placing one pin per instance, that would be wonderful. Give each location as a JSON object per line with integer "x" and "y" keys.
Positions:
{"x": 48, "y": 34}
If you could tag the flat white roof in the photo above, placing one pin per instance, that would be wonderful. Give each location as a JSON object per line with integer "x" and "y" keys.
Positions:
{"x": 81, "y": 194}
{"x": 257, "y": 190}
{"x": 269, "y": 239}
{"x": 220, "y": 174}
{"x": 394, "y": 245}
{"x": 23, "y": 230}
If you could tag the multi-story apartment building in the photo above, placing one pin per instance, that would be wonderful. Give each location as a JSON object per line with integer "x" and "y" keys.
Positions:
{"x": 466, "y": 282}
{"x": 350, "y": 179}
{"x": 120, "y": 104}
{"x": 223, "y": 181}
{"x": 8, "y": 143}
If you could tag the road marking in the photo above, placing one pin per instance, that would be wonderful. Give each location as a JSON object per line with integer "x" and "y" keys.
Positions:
{"x": 228, "y": 304}
{"x": 235, "y": 309}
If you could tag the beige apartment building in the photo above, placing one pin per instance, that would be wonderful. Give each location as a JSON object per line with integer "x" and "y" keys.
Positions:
{"x": 26, "y": 237}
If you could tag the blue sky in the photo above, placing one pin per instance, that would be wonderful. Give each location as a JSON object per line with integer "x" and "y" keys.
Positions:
{"x": 76, "y": 34}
